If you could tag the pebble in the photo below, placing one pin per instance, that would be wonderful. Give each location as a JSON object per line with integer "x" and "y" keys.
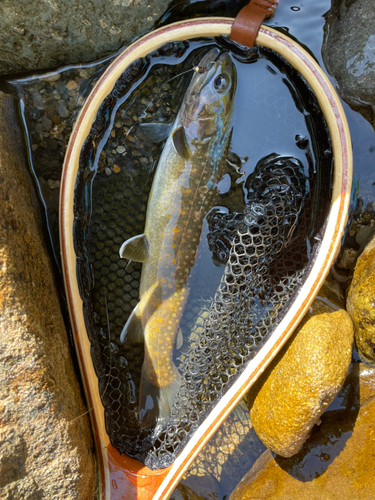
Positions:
{"x": 52, "y": 78}
{"x": 85, "y": 73}
{"x": 61, "y": 87}
{"x": 116, "y": 169}
{"x": 35, "y": 113}
{"x": 362, "y": 235}
{"x": 108, "y": 171}
{"x": 57, "y": 132}
{"x": 63, "y": 112}
{"x": 46, "y": 123}
{"x": 348, "y": 259}
{"x": 71, "y": 85}
{"x": 120, "y": 149}
{"x": 38, "y": 101}
{"x": 53, "y": 184}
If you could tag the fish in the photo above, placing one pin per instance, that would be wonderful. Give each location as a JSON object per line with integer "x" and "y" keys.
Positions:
{"x": 184, "y": 189}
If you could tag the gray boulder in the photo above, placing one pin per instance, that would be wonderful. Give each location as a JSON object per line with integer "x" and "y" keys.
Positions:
{"x": 349, "y": 52}
{"x": 39, "y": 35}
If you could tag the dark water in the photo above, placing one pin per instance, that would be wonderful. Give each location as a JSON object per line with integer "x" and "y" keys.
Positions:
{"x": 303, "y": 21}
{"x": 110, "y": 207}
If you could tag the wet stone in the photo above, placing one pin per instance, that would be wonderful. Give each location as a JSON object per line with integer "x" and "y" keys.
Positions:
{"x": 363, "y": 235}
{"x": 348, "y": 259}
{"x": 46, "y": 123}
{"x": 62, "y": 111}
{"x": 360, "y": 303}
{"x": 71, "y": 85}
{"x": 303, "y": 380}
{"x": 336, "y": 462}
{"x": 35, "y": 113}
{"x": 348, "y": 52}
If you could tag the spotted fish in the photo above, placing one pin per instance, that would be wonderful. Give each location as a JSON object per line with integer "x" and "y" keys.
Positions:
{"x": 183, "y": 190}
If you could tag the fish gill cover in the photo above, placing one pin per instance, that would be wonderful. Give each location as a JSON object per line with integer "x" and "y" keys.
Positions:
{"x": 226, "y": 236}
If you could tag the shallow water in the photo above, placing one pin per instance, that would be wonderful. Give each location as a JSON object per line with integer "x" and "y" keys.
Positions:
{"x": 302, "y": 20}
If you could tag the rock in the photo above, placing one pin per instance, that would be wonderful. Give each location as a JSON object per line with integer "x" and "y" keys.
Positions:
{"x": 349, "y": 52}
{"x": 46, "y": 123}
{"x": 62, "y": 111}
{"x": 336, "y": 462}
{"x": 364, "y": 234}
{"x": 348, "y": 259}
{"x": 183, "y": 492}
{"x": 227, "y": 456}
{"x": 44, "y": 452}
{"x": 331, "y": 294}
{"x": 35, "y": 113}
{"x": 204, "y": 485}
{"x": 37, "y": 35}
{"x": 360, "y": 303}
{"x": 303, "y": 380}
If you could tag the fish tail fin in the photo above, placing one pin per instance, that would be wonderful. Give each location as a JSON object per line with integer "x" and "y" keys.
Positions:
{"x": 132, "y": 333}
{"x": 155, "y": 403}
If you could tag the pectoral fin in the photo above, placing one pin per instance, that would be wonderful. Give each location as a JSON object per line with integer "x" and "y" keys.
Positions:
{"x": 156, "y": 132}
{"x": 135, "y": 249}
{"x": 181, "y": 143}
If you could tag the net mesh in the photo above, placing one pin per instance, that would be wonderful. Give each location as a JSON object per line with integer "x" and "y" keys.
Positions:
{"x": 264, "y": 251}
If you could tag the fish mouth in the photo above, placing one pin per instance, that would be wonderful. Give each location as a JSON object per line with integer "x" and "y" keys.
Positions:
{"x": 211, "y": 61}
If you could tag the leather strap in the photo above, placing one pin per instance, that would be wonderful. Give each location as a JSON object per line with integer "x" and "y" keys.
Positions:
{"x": 247, "y": 23}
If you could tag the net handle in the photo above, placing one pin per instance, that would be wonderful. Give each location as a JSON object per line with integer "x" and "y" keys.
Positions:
{"x": 247, "y": 23}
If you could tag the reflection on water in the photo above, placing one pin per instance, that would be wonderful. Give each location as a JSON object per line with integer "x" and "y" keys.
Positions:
{"x": 50, "y": 104}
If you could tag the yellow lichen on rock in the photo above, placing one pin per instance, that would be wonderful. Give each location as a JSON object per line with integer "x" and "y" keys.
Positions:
{"x": 336, "y": 463}
{"x": 361, "y": 303}
{"x": 303, "y": 380}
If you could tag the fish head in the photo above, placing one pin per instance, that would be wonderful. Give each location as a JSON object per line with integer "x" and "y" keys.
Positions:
{"x": 209, "y": 98}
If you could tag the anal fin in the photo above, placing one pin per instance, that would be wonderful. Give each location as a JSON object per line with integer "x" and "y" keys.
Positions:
{"x": 132, "y": 333}
{"x": 179, "y": 339}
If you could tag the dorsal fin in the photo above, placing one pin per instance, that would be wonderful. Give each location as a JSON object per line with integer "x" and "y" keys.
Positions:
{"x": 180, "y": 143}
{"x": 135, "y": 248}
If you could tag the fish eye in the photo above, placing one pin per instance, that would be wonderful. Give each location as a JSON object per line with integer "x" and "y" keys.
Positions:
{"x": 222, "y": 82}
